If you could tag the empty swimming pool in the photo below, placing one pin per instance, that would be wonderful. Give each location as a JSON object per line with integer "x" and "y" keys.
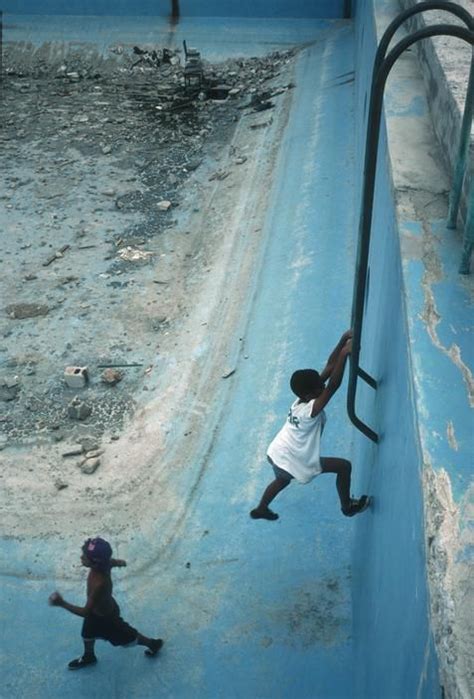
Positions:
{"x": 314, "y": 605}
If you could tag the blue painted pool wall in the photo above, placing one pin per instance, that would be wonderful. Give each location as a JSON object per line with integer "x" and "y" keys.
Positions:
{"x": 393, "y": 644}
{"x": 189, "y": 8}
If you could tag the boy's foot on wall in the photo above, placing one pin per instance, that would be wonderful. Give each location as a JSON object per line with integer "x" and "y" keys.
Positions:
{"x": 356, "y": 506}
{"x": 157, "y": 644}
{"x": 263, "y": 513}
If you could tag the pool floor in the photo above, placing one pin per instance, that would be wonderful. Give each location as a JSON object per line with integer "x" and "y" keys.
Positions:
{"x": 248, "y": 609}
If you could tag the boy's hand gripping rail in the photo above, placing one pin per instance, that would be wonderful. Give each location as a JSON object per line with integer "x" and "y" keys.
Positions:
{"x": 381, "y": 70}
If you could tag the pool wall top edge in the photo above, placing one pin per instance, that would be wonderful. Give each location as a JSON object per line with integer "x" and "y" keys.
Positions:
{"x": 329, "y": 9}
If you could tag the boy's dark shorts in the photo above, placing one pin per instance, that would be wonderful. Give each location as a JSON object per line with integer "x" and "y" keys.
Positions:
{"x": 108, "y": 628}
{"x": 280, "y": 473}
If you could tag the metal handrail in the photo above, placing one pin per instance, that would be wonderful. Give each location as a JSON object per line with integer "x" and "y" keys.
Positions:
{"x": 389, "y": 33}
{"x": 459, "y": 172}
{"x": 468, "y": 245}
{"x": 465, "y": 132}
{"x": 373, "y": 130}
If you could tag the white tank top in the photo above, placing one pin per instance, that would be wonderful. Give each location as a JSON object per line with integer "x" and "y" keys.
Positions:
{"x": 296, "y": 446}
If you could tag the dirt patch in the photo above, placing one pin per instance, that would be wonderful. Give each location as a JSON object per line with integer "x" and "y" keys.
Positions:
{"x": 318, "y": 615}
{"x": 134, "y": 219}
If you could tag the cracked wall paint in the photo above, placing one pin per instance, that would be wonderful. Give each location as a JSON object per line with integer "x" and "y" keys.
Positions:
{"x": 452, "y": 602}
{"x": 451, "y": 436}
{"x": 432, "y": 318}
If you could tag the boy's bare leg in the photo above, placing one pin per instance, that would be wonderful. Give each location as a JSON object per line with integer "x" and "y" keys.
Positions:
{"x": 343, "y": 469}
{"x": 262, "y": 510}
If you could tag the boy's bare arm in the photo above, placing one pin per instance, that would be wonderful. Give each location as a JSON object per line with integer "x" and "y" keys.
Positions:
{"x": 334, "y": 380}
{"x": 331, "y": 363}
{"x": 117, "y": 563}
{"x": 57, "y": 600}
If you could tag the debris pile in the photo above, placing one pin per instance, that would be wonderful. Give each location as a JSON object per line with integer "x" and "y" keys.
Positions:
{"x": 96, "y": 155}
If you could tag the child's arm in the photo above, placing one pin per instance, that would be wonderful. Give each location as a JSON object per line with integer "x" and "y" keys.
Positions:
{"x": 334, "y": 381}
{"x": 56, "y": 600}
{"x": 117, "y": 563}
{"x": 331, "y": 363}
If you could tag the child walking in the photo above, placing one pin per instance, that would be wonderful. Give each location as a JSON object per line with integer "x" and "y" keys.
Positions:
{"x": 101, "y": 612}
{"x": 294, "y": 452}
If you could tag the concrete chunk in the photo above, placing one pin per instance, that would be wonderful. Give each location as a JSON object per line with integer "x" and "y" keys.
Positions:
{"x": 76, "y": 376}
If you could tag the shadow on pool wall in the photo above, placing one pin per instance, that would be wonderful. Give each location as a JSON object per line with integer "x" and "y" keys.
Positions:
{"x": 329, "y": 9}
{"x": 393, "y": 643}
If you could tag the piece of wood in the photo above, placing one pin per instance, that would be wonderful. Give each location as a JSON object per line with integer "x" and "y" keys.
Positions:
{"x": 56, "y": 255}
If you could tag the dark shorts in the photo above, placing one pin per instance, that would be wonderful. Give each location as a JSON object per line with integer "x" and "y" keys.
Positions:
{"x": 280, "y": 473}
{"x": 108, "y": 628}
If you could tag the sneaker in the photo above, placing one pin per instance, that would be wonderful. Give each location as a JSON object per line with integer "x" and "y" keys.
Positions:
{"x": 82, "y": 662}
{"x": 156, "y": 646}
{"x": 263, "y": 513}
{"x": 356, "y": 506}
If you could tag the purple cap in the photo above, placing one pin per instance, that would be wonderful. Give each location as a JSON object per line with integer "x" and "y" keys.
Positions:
{"x": 98, "y": 551}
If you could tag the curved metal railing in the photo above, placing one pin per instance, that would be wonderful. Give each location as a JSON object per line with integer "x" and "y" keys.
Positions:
{"x": 380, "y": 74}
{"x": 390, "y": 31}
{"x": 465, "y": 131}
